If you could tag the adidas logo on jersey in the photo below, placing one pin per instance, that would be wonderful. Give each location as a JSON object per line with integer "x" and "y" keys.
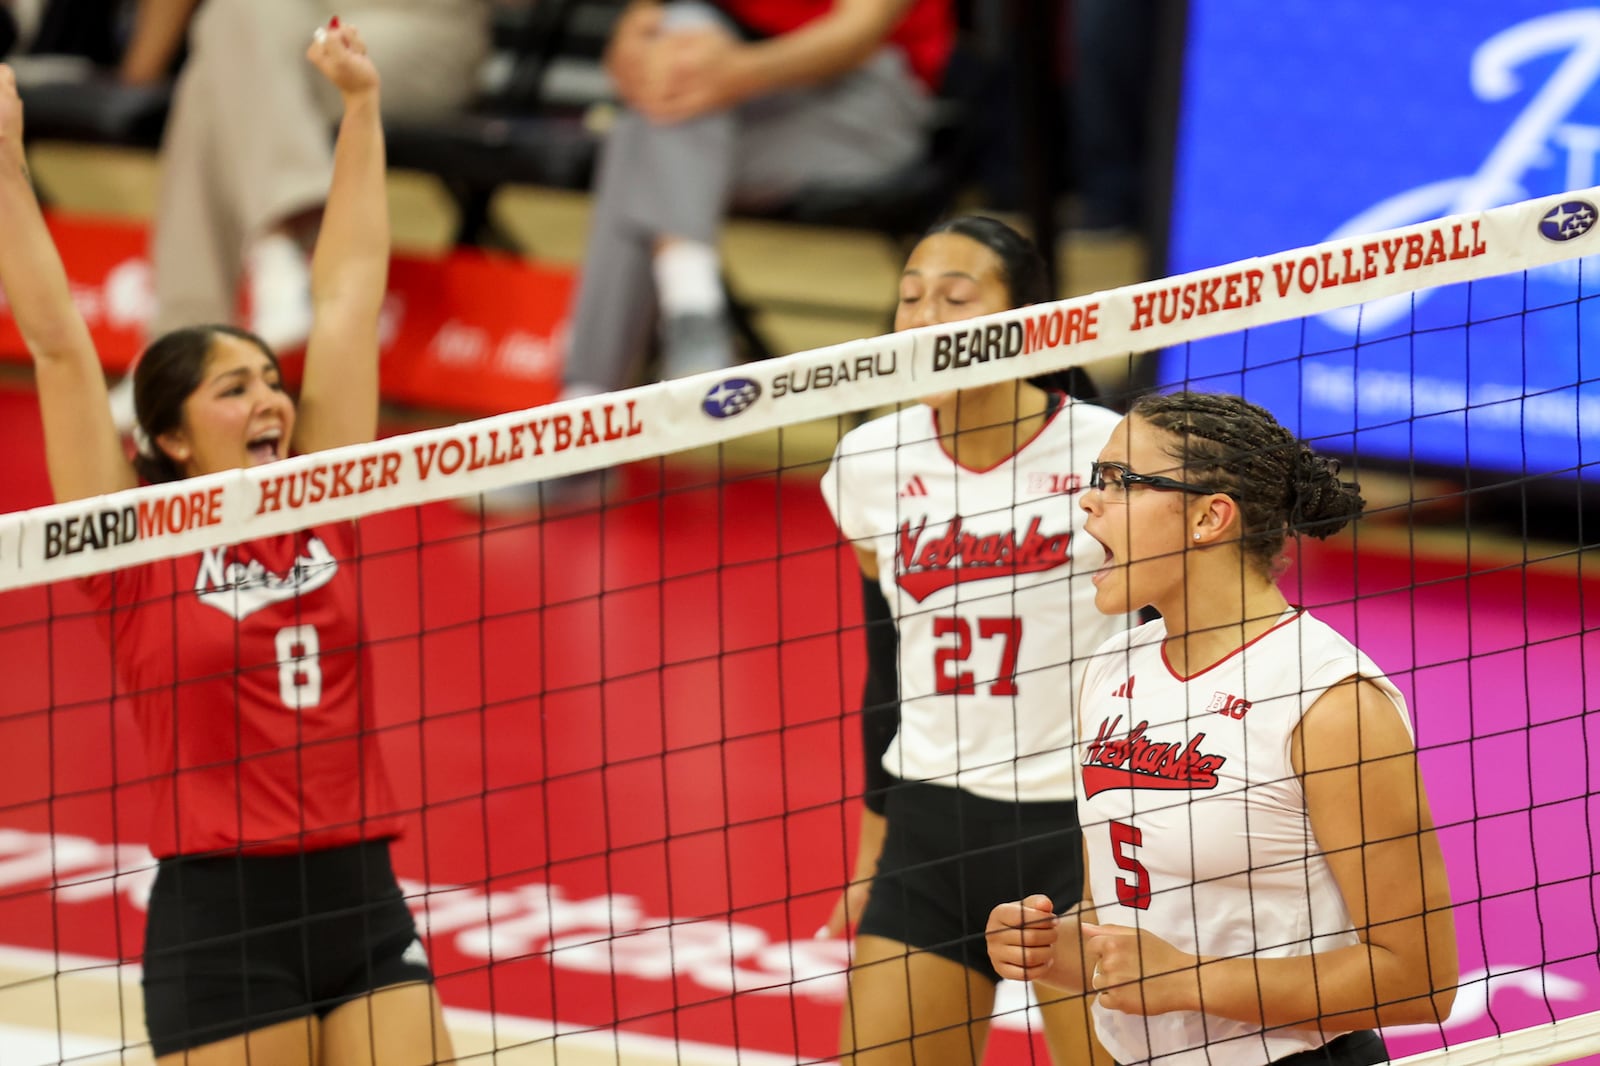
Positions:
{"x": 1125, "y": 690}
{"x": 914, "y": 487}
{"x": 415, "y": 954}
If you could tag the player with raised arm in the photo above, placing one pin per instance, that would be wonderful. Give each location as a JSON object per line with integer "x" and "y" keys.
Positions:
{"x": 962, "y": 513}
{"x": 277, "y": 932}
{"x": 1264, "y": 881}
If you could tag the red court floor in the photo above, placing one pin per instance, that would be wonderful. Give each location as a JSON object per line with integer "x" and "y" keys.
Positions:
{"x": 624, "y": 738}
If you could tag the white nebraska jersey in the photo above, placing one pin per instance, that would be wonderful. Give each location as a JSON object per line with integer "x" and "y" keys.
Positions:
{"x": 1195, "y": 823}
{"x": 987, "y": 574}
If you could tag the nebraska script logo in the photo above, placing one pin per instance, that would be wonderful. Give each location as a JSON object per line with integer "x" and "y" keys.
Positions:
{"x": 929, "y": 562}
{"x": 241, "y": 588}
{"x": 1139, "y": 763}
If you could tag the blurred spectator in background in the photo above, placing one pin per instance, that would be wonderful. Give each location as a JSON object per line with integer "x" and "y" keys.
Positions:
{"x": 248, "y": 150}
{"x": 90, "y": 30}
{"x": 1110, "y": 46}
{"x": 729, "y": 103}
{"x": 155, "y": 37}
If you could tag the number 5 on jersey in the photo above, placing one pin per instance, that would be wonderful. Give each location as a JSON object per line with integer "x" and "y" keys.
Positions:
{"x": 1125, "y": 842}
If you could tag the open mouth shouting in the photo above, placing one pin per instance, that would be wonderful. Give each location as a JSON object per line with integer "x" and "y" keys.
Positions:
{"x": 266, "y": 446}
{"x": 1107, "y": 566}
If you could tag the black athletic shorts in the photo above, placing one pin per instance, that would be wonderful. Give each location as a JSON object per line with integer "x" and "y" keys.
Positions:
{"x": 241, "y": 942}
{"x": 1364, "y": 1048}
{"x": 950, "y": 857}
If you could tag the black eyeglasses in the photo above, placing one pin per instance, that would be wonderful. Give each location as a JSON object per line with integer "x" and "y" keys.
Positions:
{"x": 1121, "y": 478}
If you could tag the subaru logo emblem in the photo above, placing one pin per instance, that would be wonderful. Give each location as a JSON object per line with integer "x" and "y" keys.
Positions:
{"x": 730, "y": 397}
{"x": 1565, "y": 221}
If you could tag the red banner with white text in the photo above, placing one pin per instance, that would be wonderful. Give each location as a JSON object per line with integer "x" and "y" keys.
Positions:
{"x": 470, "y": 332}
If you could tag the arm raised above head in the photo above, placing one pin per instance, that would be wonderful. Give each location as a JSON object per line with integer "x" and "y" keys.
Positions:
{"x": 350, "y": 267}
{"x": 82, "y": 447}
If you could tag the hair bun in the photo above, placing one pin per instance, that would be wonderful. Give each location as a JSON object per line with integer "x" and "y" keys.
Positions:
{"x": 1320, "y": 504}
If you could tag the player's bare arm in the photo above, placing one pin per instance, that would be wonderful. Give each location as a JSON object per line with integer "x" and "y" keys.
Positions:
{"x": 82, "y": 449}
{"x": 1385, "y": 855}
{"x": 350, "y": 267}
{"x": 869, "y": 840}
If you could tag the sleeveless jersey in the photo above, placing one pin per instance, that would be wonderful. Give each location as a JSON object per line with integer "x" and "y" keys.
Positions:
{"x": 990, "y": 591}
{"x": 248, "y": 674}
{"x": 1195, "y": 823}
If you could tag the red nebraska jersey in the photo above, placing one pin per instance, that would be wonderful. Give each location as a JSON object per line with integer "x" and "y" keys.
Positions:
{"x": 249, "y": 677}
{"x": 926, "y": 34}
{"x": 1195, "y": 823}
{"x": 989, "y": 583}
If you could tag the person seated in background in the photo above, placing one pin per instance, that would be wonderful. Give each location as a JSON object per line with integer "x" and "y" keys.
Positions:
{"x": 731, "y": 102}
{"x": 726, "y": 103}
{"x": 247, "y": 151}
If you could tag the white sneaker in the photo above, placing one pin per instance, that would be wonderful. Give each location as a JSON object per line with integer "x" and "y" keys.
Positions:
{"x": 280, "y": 292}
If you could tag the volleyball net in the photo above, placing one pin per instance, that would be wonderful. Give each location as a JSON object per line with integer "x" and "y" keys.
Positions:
{"x": 625, "y": 733}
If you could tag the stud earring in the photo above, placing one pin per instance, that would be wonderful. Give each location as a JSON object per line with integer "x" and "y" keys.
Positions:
{"x": 1197, "y": 536}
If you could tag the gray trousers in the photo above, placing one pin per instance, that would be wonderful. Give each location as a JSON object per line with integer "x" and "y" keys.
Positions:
{"x": 248, "y": 146}
{"x": 680, "y": 181}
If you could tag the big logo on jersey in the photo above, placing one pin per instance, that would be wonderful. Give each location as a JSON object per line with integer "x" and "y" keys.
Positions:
{"x": 240, "y": 588}
{"x": 932, "y": 561}
{"x": 1137, "y": 762}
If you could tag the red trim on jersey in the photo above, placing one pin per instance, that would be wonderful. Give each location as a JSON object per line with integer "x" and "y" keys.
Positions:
{"x": 1051, "y": 411}
{"x": 1298, "y": 611}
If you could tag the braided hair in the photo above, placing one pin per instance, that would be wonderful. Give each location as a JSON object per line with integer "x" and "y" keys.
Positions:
{"x": 1282, "y": 486}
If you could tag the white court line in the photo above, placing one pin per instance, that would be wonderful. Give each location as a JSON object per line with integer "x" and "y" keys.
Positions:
{"x": 481, "y": 1037}
{"x": 45, "y": 1047}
